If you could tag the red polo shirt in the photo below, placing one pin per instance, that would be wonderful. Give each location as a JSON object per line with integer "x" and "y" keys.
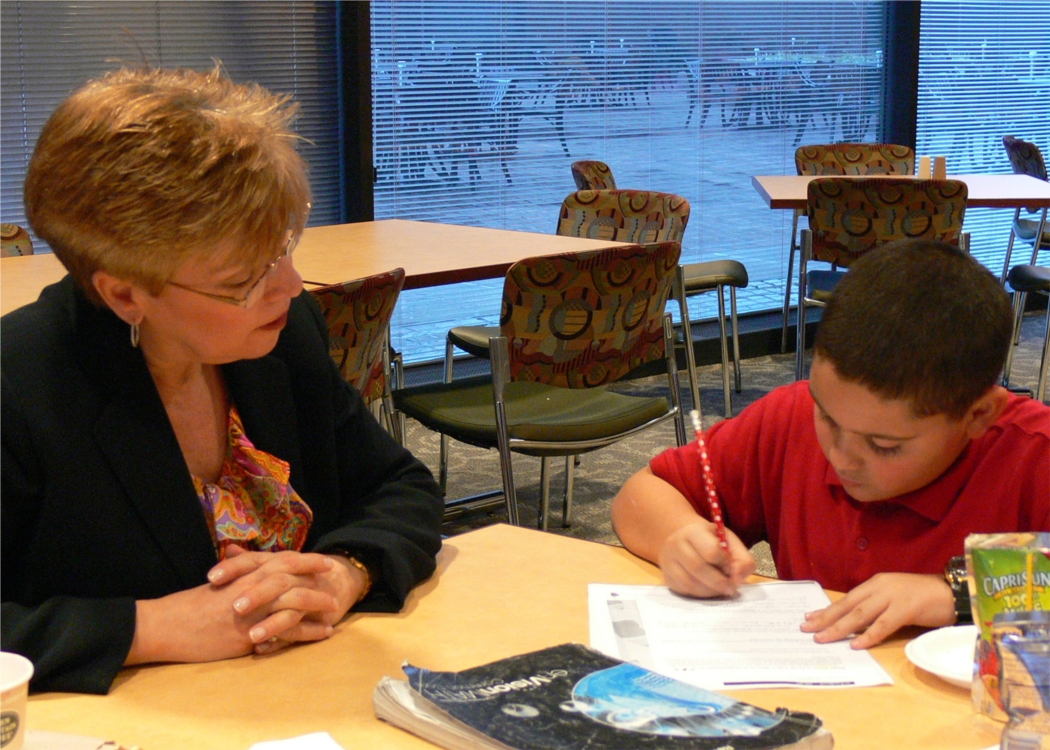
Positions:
{"x": 775, "y": 484}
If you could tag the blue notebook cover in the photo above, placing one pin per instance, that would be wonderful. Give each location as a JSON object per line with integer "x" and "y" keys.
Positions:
{"x": 572, "y": 697}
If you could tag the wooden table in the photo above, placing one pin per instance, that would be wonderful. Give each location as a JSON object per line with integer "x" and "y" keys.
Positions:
{"x": 431, "y": 254}
{"x": 984, "y": 190}
{"x": 499, "y": 591}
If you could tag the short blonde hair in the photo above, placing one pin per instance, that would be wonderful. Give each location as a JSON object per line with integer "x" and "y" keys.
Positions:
{"x": 142, "y": 169}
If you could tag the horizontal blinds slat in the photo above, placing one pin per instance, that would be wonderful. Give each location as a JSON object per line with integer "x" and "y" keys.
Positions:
{"x": 50, "y": 49}
{"x": 984, "y": 72}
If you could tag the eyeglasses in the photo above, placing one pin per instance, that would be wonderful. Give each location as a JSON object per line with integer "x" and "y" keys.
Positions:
{"x": 258, "y": 287}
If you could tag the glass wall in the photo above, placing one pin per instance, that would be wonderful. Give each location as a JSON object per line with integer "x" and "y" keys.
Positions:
{"x": 984, "y": 72}
{"x": 480, "y": 108}
{"x": 49, "y": 49}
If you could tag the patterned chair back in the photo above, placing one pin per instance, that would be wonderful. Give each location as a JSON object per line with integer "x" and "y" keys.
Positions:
{"x": 593, "y": 175}
{"x": 850, "y": 216}
{"x": 857, "y": 159}
{"x": 580, "y": 320}
{"x": 358, "y": 314}
{"x": 14, "y": 240}
{"x": 1025, "y": 157}
{"x": 639, "y": 216}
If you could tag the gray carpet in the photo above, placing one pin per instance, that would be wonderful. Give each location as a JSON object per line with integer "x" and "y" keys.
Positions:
{"x": 601, "y": 473}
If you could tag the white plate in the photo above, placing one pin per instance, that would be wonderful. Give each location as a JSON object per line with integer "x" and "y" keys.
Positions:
{"x": 945, "y": 652}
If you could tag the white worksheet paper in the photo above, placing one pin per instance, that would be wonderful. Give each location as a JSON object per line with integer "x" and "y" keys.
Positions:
{"x": 750, "y": 641}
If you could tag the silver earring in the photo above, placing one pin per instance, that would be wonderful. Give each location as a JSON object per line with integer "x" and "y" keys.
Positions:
{"x": 134, "y": 335}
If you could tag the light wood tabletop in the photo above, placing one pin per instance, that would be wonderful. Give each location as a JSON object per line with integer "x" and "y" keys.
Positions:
{"x": 983, "y": 190}
{"x": 431, "y": 254}
{"x": 499, "y": 591}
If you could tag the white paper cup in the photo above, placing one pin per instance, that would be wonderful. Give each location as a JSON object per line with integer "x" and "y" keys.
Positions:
{"x": 15, "y": 671}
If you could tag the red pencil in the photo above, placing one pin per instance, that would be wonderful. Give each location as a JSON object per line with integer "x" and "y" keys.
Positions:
{"x": 709, "y": 482}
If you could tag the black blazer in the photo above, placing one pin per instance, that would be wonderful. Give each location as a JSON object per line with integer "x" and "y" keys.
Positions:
{"x": 98, "y": 507}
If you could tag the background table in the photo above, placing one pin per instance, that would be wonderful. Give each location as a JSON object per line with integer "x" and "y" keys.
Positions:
{"x": 983, "y": 190}
{"x": 499, "y": 591}
{"x": 431, "y": 254}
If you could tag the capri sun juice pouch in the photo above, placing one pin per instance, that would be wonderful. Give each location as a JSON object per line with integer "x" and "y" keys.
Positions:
{"x": 1006, "y": 573}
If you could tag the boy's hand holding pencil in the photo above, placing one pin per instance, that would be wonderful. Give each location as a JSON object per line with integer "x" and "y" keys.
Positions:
{"x": 705, "y": 559}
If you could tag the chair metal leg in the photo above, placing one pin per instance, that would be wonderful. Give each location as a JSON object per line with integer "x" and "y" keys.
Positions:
{"x": 736, "y": 338}
{"x": 687, "y": 335}
{"x": 500, "y": 378}
{"x": 510, "y": 496}
{"x": 1019, "y": 300}
{"x": 800, "y": 333}
{"x": 1045, "y": 366}
{"x": 391, "y": 419}
{"x": 672, "y": 383}
{"x": 399, "y": 382}
{"x": 1037, "y": 243}
{"x": 725, "y": 350}
{"x": 570, "y": 481}
{"x": 792, "y": 247}
{"x": 376, "y": 408}
{"x": 443, "y": 464}
{"x": 545, "y": 493}
{"x": 443, "y": 454}
{"x": 393, "y": 369}
{"x": 1010, "y": 247}
{"x": 1018, "y": 309}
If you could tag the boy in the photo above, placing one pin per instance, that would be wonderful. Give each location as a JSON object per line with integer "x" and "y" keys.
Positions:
{"x": 868, "y": 477}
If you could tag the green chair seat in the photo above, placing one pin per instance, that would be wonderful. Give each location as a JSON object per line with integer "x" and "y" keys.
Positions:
{"x": 464, "y": 410}
{"x": 700, "y": 277}
{"x": 473, "y": 339}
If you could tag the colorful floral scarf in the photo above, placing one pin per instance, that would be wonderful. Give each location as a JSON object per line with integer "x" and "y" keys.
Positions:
{"x": 252, "y": 505}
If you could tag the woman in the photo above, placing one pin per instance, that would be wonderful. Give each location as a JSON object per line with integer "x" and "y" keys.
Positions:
{"x": 185, "y": 476}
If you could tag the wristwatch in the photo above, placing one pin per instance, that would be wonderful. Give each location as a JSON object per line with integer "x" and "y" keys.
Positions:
{"x": 955, "y": 577}
{"x": 363, "y": 561}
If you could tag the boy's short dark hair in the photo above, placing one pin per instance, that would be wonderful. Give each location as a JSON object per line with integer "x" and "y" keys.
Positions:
{"x": 918, "y": 320}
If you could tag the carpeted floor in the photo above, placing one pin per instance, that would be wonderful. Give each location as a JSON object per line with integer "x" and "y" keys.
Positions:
{"x": 601, "y": 473}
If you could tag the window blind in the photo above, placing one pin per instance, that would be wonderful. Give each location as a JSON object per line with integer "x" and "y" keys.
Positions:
{"x": 984, "y": 72}
{"x": 51, "y": 48}
{"x": 479, "y": 109}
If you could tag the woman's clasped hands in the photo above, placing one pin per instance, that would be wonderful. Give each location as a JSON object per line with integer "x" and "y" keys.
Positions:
{"x": 254, "y": 602}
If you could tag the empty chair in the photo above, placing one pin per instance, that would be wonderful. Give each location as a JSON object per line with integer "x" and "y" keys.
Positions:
{"x": 642, "y": 216}
{"x": 593, "y": 175}
{"x": 570, "y": 325}
{"x": 358, "y": 315}
{"x": 1025, "y": 158}
{"x": 637, "y": 216}
{"x": 1024, "y": 279}
{"x": 14, "y": 240}
{"x": 850, "y": 216}
{"x": 847, "y": 159}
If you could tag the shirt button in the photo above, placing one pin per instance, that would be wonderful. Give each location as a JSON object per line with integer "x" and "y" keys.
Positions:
{"x": 862, "y": 544}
